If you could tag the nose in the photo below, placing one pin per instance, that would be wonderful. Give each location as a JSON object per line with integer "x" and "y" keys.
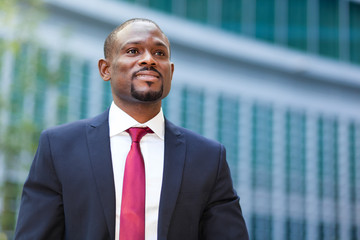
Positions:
{"x": 147, "y": 59}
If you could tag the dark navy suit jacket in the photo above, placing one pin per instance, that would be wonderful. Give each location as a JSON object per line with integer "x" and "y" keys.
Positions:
{"x": 70, "y": 194}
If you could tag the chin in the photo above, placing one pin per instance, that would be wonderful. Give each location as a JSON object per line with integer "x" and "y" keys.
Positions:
{"x": 147, "y": 96}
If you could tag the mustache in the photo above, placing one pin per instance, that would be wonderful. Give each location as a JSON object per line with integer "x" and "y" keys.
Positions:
{"x": 147, "y": 69}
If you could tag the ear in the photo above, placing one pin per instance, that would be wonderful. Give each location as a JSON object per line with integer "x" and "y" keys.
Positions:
{"x": 104, "y": 69}
{"x": 172, "y": 69}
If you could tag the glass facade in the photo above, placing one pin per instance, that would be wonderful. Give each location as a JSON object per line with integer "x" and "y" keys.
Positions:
{"x": 297, "y": 24}
{"x": 307, "y": 25}
{"x": 192, "y": 112}
{"x": 231, "y": 15}
{"x": 265, "y": 20}
{"x": 295, "y": 180}
{"x": 271, "y": 165}
{"x": 328, "y": 177}
{"x": 228, "y": 130}
{"x": 355, "y": 32}
{"x": 64, "y": 79}
{"x": 328, "y": 43}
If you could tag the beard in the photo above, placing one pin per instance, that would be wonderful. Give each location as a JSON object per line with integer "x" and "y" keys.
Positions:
{"x": 150, "y": 96}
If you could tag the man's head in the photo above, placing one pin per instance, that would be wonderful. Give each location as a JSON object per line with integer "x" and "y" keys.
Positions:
{"x": 111, "y": 38}
{"x": 137, "y": 63}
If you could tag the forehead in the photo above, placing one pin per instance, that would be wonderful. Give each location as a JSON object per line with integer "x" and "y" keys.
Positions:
{"x": 141, "y": 32}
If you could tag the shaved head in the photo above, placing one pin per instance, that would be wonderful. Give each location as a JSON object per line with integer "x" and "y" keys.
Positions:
{"x": 111, "y": 39}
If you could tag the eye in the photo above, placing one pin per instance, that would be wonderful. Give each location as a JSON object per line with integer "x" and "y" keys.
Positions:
{"x": 160, "y": 53}
{"x": 132, "y": 51}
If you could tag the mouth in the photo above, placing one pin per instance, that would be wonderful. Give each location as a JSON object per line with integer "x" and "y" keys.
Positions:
{"x": 146, "y": 74}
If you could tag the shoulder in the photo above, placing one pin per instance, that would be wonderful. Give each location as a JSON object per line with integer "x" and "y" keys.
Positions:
{"x": 76, "y": 128}
{"x": 192, "y": 138}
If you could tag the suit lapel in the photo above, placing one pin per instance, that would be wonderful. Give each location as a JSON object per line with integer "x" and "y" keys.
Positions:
{"x": 174, "y": 159}
{"x": 100, "y": 157}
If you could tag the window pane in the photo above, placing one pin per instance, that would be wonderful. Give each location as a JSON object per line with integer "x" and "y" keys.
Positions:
{"x": 354, "y": 170}
{"x": 265, "y": 19}
{"x": 17, "y": 85}
{"x": 355, "y": 32}
{"x": 297, "y": 21}
{"x": 107, "y": 96}
{"x": 262, "y": 146}
{"x": 295, "y": 229}
{"x": 84, "y": 90}
{"x": 196, "y": 10}
{"x": 231, "y": 15}
{"x": 228, "y": 122}
{"x": 328, "y": 28}
{"x": 261, "y": 227}
{"x": 295, "y": 153}
{"x": 164, "y": 5}
{"x": 328, "y": 176}
{"x": 42, "y": 74}
{"x": 193, "y": 109}
{"x": 64, "y": 77}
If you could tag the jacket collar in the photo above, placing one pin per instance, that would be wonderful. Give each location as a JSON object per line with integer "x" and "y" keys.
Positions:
{"x": 100, "y": 157}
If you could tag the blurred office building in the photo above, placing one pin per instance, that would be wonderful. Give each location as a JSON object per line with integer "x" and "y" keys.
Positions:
{"x": 276, "y": 81}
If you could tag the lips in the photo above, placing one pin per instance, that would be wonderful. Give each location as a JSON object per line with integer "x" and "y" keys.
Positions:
{"x": 149, "y": 76}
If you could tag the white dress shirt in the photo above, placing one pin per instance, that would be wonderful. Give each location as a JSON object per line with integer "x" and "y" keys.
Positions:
{"x": 152, "y": 148}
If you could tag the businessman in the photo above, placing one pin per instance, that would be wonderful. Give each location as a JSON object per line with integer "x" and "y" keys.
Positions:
{"x": 129, "y": 173}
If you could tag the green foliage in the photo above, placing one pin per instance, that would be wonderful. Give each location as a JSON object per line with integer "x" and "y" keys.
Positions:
{"x": 8, "y": 217}
{"x": 19, "y": 133}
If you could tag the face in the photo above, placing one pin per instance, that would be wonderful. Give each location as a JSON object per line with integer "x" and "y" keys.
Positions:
{"x": 139, "y": 68}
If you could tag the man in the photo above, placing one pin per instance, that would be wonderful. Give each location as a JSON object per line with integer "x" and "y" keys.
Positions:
{"x": 79, "y": 188}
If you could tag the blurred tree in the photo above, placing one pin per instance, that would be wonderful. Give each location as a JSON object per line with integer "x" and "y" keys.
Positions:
{"x": 18, "y": 21}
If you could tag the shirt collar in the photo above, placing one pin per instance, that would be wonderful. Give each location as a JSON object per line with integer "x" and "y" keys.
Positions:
{"x": 120, "y": 121}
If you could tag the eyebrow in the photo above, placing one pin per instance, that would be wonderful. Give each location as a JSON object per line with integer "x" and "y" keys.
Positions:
{"x": 158, "y": 43}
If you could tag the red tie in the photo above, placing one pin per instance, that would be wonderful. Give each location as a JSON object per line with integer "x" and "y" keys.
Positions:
{"x": 132, "y": 217}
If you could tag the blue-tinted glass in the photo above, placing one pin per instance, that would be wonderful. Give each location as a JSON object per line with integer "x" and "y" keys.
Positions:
{"x": 297, "y": 22}
{"x": 328, "y": 231}
{"x": 295, "y": 153}
{"x": 228, "y": 131}
{"x": 265, "y": 19}
{"x": 328, "y": 172}
{"x": 193, "y": 109}
{"x": 261, "y": 227}
{"x": 107, "y": 96}
{"x": 165, "y": 105}
{"x": 64, "y": 79}
{"x": 164, "y": 5}
{"x": 295, "y": 229}
{"x": 42, "y": 74}
{"x": 262, "y": 146}
{"x": 352, "y": 161}
{"x": 17, "y": 86}
{"x": 196, "y": 10}
{"x": 329, "y": 28}
{"x": 354, "y": 178}
{"x": 84, "y": 90}
{"x": 231, "y": 15}
{"x": 355, "y": 32}
{"x": 328, "y": 156}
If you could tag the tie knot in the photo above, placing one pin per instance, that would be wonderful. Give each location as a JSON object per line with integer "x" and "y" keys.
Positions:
{"x": 137, "y": 133}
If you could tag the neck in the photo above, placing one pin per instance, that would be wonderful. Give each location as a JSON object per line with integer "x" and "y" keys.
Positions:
{"x": 141, "y": 112}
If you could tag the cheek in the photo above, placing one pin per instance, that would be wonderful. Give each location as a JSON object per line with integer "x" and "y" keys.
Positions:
{"x": 122, "y": 66}
{"x": 121, "y": 74}
{"x": 167, "y": 84}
